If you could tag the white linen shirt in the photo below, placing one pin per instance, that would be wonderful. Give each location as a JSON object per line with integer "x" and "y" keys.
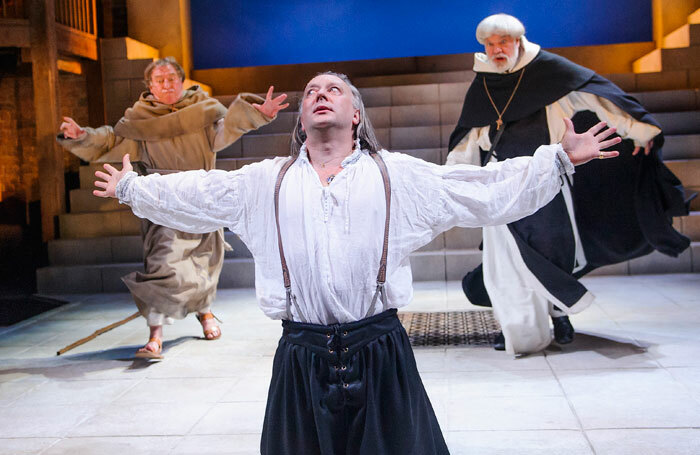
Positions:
{"x": 333, "y": 236}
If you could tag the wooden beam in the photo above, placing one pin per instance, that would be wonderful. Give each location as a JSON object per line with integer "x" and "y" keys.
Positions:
{"x": 14, "y": 33}
{"x": 95, "y": 95}
{"x": 69, "y": 66}
{"x": 75, "y": 42}
{"x": 42, "y": 31}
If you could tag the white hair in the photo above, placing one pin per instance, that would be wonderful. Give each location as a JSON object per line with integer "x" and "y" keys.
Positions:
{"x": 499, "y": 24}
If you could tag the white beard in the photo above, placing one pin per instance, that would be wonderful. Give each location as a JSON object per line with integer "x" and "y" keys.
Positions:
{"x": 511, "y": 61}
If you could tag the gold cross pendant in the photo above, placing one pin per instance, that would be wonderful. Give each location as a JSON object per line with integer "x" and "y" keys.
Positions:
{"x": 499, "y": 123}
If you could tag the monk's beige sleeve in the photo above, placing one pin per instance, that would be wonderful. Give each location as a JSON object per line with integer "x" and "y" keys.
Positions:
{"x": 93, "y": 144}
{"x": 468, "y": 151}
{"x": 627, "y": 127}
{"x": 240, "y": 118}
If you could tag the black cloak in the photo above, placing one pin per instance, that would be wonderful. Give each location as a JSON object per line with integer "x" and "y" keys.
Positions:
{"x": 623, "y": 206}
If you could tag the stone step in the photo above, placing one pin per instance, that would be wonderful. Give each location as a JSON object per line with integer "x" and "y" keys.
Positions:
{"x": 684, "y": 58}
{"x": 82, "y": 200}
{"x": 265, "y": 145}
{"x": 682, "y": 147}
{"x": 98, "y": 224}
{"x": 126, "y": 48}
{"x": 414, "y": 78}
{"x": 688, "y": 171}
{"x": 128, "y": 248}
{"x": 231, "y": 164}
{"x": 685, "y": 36}
{"x": 97, "y": 278}
{"x": 432, "y": 155}
{"x": 685, "y": 122}
{"x": 438, "y": 265}
{"x": 656, "y": 80}
{"x": 690, "y": 226}
{"x": 402, "y": 95}
{"x": 272, "y": 139}
{"x": 408, "y": 137}
{"x": 117, "y": 249}
{"x": 86, "y": 174}
{"x": 669, "y": 100}
{"x": 694, "y": 17}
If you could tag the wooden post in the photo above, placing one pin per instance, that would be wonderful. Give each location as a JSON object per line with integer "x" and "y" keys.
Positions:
{"x": 42, "y": 24}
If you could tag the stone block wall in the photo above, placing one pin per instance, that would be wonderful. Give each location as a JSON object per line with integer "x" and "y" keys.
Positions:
{"x": 19, "y": 160}
{"x": 123, "y": 63}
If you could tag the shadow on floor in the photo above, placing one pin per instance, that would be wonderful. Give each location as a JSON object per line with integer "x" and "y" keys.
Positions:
{"x": 81, "y": 365}
{"x": 608, "y": 346}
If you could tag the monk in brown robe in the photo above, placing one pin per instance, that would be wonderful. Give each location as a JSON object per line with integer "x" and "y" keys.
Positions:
{"x": 173, "y": 129}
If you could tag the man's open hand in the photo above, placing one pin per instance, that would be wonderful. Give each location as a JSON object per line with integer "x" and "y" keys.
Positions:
{"x": 272, "y": 106}
{"x": 587, "y": 146}
{"x": 70, "y": 129}
{"x": 109, "y": 184}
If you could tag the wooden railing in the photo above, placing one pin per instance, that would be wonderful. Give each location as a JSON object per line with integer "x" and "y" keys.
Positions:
{"x": 12, "y": 9}
{"x": 77, "y": 14}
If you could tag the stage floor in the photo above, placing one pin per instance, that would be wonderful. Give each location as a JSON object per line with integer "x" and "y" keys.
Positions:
{"x": 628, "y": 384}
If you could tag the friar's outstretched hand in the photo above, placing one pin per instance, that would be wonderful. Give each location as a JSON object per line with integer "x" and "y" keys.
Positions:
{"x": 70, "y": 128}
{"x": 587, "y": 146}
{"x": 272, "y": 106}
{"x": 109, "y": 185}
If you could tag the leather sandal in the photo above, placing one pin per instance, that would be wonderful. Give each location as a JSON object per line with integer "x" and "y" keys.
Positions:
{"x": 204, "y": 317}
{"x": 144, "y": 353}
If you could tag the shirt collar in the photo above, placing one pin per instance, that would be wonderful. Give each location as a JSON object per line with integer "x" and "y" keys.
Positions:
{"x": 350, "y": 159}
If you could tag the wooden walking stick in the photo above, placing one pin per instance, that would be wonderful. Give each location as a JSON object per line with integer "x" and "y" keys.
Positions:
{"x": 98, "y": 333}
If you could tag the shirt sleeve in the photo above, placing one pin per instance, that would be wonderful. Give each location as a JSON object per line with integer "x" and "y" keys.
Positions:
{"x": 195, "y": 201}
{"x": 471, "y": 196}
{"x": 627, "y": 127}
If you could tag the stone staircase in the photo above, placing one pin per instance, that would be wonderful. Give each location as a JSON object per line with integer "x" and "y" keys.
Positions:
{"x": 100, "y": 239}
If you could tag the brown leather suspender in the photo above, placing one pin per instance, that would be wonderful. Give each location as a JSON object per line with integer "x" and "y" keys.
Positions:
{"x": 381, "y": 276}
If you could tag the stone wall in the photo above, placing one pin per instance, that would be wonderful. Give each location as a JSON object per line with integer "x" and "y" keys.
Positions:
{"x": 19, "y": 159}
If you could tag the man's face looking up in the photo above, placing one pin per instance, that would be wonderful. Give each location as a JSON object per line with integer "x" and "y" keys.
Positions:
{"x": 327, "y": 103}
{"x": 166, "y": 85}
{"x": 502, "y": 50}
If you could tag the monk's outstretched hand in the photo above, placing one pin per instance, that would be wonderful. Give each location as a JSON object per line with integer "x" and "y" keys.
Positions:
{"x": 109, "y": 185}
{"x": 272, "y": 106}
{"x": 587, "y": 146}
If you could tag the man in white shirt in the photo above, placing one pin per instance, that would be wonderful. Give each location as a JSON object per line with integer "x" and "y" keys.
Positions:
{"x": 531, "y": 266}
{"x": 331, "y": 231}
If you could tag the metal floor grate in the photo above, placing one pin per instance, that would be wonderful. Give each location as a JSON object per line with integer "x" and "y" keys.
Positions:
{"x": 453, "y": 328}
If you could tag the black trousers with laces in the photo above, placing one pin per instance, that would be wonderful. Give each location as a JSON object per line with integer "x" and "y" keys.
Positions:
{"x": 348, "y": 389}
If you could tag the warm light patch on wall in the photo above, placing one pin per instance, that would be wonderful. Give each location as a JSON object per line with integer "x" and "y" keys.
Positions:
{"x": 70, "y": 66}
{"x": 189, "y": 83}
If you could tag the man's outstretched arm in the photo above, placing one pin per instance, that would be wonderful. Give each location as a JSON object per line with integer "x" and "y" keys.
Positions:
{"x": 193, "y": 201}
{"x": 503, "y": 192}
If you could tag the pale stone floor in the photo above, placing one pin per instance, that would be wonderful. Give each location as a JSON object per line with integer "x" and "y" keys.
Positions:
{"x": 629, "y": 384}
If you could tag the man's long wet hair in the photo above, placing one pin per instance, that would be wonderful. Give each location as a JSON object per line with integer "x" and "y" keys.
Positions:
{"x": 363, "y": 131}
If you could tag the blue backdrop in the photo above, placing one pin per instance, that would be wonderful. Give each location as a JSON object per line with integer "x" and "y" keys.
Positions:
{"x": 233, "y": 33}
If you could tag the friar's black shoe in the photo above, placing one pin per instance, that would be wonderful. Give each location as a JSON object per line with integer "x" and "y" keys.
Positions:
{"x": 563, "y": 330}
{"x": 499, "y": 343}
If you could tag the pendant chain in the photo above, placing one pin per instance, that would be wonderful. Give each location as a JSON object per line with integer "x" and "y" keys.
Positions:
{"x": 499, "y": 122}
